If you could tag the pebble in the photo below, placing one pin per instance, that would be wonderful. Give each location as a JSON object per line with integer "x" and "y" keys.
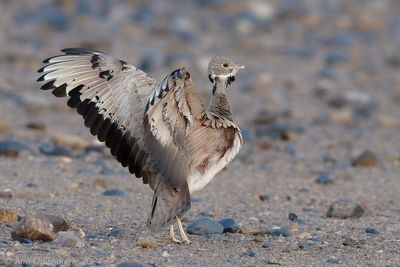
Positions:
{"x": 70, "y": 239}
{"x": 263, "y": 197}
{"x": 349, "y": 242}
{"x": 332, "y": 261}
{"x": 324, "y": 179}
{"x": 309, "y": 244}
{"x": 25, "y": 241}
{"x": 114, "y": 193}
{"x": 34, "y": 228}
{"x": 345, "y": 209}
{"x": 8, "y": 216}
{"x": 294, "y": 218}
{"x": 11, "y": 148}
{"x": 250, "y": 254}
{"x": 372, "y": 231}
{"x": 51, "y": 149}
{"x": 73, "y": 142}
{"x": 6, "y": 193}
{"x": 147, "y": 242}
{"x": 365, "y": 159}
{"x": 279, "y": 231}
{"x": 129, "y": 264}
{"x": 205, "y": 226}
{"x": 230, "y": 225}
{"x": 86, "y": 172}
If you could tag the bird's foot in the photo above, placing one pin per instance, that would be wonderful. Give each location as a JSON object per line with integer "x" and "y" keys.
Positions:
{"x": 182, "y": 232}
{"x": 172, "y": 235}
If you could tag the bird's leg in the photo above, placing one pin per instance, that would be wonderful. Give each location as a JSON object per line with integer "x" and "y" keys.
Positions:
{"x": 172, "y": 235}
{"x": 182, "y": 231}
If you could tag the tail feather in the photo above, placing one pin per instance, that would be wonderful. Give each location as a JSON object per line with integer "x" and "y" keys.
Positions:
{"x": 168, "y": 203}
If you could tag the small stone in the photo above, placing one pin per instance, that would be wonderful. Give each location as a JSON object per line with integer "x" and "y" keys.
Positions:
{"x": 129, "y": 264}
{"x": 279, "y": 231}
{"x": 73, "y": 142}
{"x": 309, "y": 244}
{"x": 25, "y": 241}
{"x": 35, "y": 125}
{"x": 147, "y": 242}
{"x": 324, "y": 179}
{"x": 114, "y": 193}
{"x": 205, "y": 226}
{"x": 230, "y": 225}
{"x": 332, "y": 261}
{"x": 372, "y": 231}
{"x": 350, "y": 242}
{"x": 293, "y": 217}
{"x": 8, "y": 216}
{"x": 70, "y": 239}
{"x": 51, "y": 149}
{"x": 345, "y": 209}
{"x": 34, "y": 228}
{"x": 263, "y": 197}
{"x": 250, "y": 254}
{"x": 100, "y": 184}
{"x": 11, "y": 148}
{"x": 365, "y": 159}
{"x": 6, "y": 193}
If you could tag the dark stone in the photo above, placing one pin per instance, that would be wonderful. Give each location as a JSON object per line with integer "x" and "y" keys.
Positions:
{"x": 230, "y": 225}
{"x": 25, "y": 241}
{"x": 250, "y": 254}
{"x": 51, "y": 149}
{"x": 309, "y": 244}
{"x": 293, "y": 217}
{"x": 263, "y": 197}
{"x": 365, "y": 159}
{"x": 350, "y": 242}
{"x": 129, "y": 264}
{"x": 114, "y": 193}
{"x": 12, "y": 148}
{"x": 279, "y": 231}
{"x": 205, "y": 226}
{"x": 324, "y": 179}
{"x": 86, "y": 172}
{"x": 372, "y": 231}
{"x": 393, "y": 61}
{"x": 345, "y": 209}
{"x": 31, "y": 184}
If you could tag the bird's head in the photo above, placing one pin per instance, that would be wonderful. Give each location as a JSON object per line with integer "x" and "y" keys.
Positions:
{"x": 223, "y": 68}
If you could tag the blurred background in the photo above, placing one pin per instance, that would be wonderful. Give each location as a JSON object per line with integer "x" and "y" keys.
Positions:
{"x": 318, "y": 105}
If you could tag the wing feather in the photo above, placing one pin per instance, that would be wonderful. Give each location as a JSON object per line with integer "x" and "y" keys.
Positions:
{"x": 110, "y": 94}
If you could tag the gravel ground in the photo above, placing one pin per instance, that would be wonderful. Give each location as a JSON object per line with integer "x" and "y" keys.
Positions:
{"x": 318, "y": 104}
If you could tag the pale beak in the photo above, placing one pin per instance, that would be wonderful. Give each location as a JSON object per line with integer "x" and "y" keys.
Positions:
{"x": 240, "y": 67}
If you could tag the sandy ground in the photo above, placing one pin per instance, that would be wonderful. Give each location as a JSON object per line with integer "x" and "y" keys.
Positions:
{"x": 325, "y": 71}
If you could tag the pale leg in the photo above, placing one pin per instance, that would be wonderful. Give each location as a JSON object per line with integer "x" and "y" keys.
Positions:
{"x": 172, "y": 235}
{"x": 182, "y": 231}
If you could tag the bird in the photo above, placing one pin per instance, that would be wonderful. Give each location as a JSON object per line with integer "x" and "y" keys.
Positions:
{"x": 162, "y": 132}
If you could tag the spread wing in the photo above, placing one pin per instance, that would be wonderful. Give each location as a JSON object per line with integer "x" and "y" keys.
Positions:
{"x": 181, "y": 136}
{"x": 110, "y": 94}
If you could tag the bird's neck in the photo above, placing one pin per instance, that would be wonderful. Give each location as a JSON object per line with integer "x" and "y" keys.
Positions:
{"x": 219, "y": 102}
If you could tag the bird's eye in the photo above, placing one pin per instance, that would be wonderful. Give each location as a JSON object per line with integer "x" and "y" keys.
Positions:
{"x": 225, "y": 65}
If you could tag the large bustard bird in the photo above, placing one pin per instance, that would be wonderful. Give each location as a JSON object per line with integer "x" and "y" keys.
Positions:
{"x": 162, "y": 132}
